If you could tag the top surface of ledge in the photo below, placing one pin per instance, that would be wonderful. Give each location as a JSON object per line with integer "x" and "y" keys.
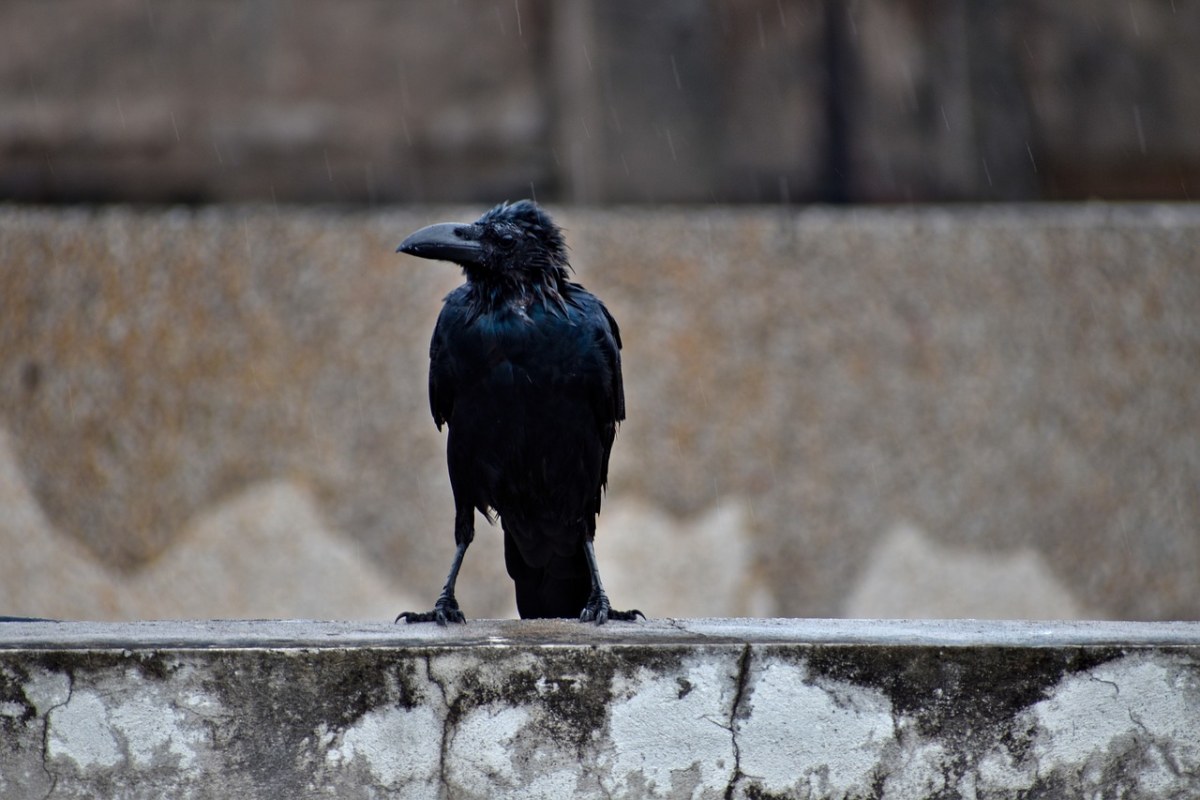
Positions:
{"x": 307, "y": 634}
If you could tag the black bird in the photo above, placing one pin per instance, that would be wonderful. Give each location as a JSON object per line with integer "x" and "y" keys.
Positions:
{"x": 525, "y": 370}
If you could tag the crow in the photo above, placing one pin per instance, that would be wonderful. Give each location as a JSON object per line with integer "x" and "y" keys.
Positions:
{"x": 525, "y": 371}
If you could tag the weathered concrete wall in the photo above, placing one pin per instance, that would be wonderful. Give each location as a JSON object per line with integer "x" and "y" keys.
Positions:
{"x": 947, "y": 412}
{"x": 663, "y": 709}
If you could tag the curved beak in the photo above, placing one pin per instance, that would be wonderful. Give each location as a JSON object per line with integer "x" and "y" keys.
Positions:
{"x": 446, "y": 241}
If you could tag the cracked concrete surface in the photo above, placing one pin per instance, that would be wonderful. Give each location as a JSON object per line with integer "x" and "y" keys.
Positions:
{"x": 667, "y": 708}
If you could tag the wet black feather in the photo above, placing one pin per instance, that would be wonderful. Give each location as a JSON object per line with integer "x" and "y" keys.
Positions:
{"x": 525, "y": 370}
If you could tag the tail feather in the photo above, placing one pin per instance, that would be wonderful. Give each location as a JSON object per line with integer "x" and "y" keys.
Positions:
{"x": 559, "y": 588}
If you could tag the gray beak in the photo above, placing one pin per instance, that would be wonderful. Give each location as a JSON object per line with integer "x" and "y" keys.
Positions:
{"x": 446, "y": 241}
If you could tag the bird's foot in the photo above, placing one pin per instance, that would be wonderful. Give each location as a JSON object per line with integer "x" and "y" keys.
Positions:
{"x": 444, "y": 610}
{"x": 599, "y": 611}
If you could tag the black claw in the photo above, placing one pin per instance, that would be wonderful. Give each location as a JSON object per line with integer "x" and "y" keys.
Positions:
{"x": 443, "y": 612}
{"x": 597, "y": 615}
{"x": 599, "y": 611}
{"x": 596, "y": 609}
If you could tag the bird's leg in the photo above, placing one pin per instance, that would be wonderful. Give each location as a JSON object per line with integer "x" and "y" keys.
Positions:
{"x": 598, "y": 608}
{"x": 446, "y": 608}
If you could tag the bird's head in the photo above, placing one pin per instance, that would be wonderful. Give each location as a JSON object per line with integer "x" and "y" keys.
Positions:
{"x": 514, "y": 243}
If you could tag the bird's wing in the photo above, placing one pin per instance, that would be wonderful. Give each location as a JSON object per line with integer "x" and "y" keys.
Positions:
{"x": 607, "y": 384}
{"x": 608, "y": 387}
{"x": 612, "y": 354}
{"x": 443, "y": 370}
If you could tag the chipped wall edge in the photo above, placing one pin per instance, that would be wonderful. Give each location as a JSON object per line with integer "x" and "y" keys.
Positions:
{"x": 666, "y": 708}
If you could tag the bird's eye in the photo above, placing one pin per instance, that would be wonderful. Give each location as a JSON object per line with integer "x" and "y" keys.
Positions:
{"x": 507, "y": 239}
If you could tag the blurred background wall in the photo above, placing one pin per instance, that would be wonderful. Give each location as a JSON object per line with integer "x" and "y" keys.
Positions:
{"x": 212, "y": 403}
{"x": 763, "y": 101}
{"x": 866, "y": 412}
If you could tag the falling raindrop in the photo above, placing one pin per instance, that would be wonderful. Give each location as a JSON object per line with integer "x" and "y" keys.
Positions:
{"x": 174, "y": 126}
{"x": 675, "y": 72}
{"x": 671, "y": 144}
{"x": 328, "y": 167}
{"x": 987, "y": 173}
{"x": 616, "y": 118}
{"x": 1032, "y": 160}
{"x": 517, "y": 7}
{"x": 121, "y": 112}
{"x": 1137, "y": 122}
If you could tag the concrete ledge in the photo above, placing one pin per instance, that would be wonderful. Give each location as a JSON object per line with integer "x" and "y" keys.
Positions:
{"x": 669, "y": 708}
